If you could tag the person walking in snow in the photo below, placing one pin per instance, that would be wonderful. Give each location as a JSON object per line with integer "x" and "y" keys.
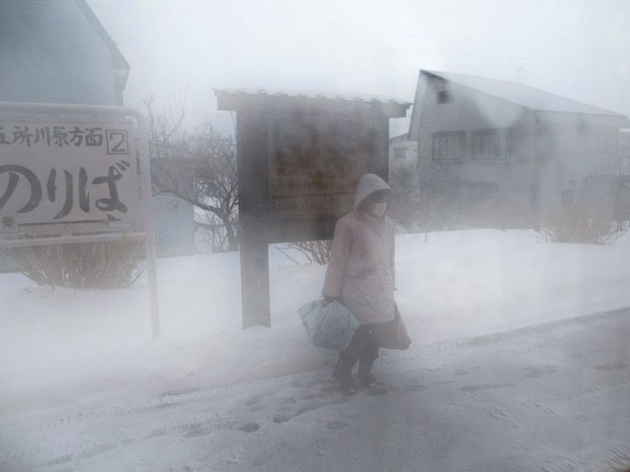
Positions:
{"x": 360, "y": 274}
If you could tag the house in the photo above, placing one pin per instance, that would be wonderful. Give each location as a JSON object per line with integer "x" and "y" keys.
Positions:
{"x": 58, "y": 52}
{"x": 511, "y": 154}
{"x": 402, "y": 153}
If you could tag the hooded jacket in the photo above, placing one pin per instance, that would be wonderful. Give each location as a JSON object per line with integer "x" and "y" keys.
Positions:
{"x": 361, "y": 267}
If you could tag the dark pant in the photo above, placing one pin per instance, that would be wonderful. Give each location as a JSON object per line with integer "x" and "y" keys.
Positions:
{"x": 363, "y": 347}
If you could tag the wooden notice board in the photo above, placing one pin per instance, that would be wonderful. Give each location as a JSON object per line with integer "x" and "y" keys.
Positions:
{"x": 300, "y": 158}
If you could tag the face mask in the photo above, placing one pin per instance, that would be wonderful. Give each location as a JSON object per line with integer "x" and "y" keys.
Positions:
{"x": 378, "y": 209}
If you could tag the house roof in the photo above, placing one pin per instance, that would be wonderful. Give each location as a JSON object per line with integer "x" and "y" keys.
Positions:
{"x": 399, "y": 138}
{"x": 118, "y": 60}
{"x": 528, "y": 97}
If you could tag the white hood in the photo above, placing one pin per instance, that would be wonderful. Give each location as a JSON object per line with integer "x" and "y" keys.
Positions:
{"x": 368, "y": 184}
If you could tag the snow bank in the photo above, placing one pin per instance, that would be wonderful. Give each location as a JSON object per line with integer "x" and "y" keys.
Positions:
{"x": 60, "y": 345}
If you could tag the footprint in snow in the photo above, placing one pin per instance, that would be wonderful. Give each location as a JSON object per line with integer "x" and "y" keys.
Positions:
{"x": 611, "y": 367}
{"x": 535, "y": 372}
{"x": 248, "y": 426}
{"x": 336, "y": 424}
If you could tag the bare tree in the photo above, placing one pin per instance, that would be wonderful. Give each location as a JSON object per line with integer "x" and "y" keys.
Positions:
{"x": 164, "y": 130}
{"x": 207, "y": 178}
{"x": 424, "y": 197}
{"x": 198, "y": 167}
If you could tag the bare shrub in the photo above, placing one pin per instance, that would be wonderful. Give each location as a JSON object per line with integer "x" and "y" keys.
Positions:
{"x": 98, "y": 265}
{"x": 581, "y": 225}
{"x": 316, "y": 252}
{"x": 424, "y": 198}
{"x": 211, "y": 235}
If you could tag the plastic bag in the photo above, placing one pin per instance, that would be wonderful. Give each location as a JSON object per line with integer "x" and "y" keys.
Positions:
{"x": 328, "y": 325}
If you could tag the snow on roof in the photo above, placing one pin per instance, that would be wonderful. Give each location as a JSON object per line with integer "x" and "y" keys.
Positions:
{"x": 400, "y": 137}
{"x": 520, "y": 94}
{"x": 314, "y": 95}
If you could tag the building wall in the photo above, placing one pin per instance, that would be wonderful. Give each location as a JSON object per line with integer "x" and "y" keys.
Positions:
{"x": 52, "y": 54}
{"x": 503, "y": 183}
{"x": 571, "y": 152}
{"x": 624, "y": 151}
{"x": 403, "y": 153}
{"x": 546, "y": 158}
{"x": 175, "y": 226}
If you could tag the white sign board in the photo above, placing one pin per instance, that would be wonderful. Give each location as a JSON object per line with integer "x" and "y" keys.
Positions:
{"x": 67, "y": 173}
{"x": 76, "y": 174}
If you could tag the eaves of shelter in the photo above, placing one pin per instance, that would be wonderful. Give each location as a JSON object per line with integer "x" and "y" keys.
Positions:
{"x": 268, "y": 102}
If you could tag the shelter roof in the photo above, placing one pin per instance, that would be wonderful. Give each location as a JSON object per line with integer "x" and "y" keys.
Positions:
{"x": 238, "y": 99}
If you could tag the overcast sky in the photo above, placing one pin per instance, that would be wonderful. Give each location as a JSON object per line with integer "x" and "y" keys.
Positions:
{"x": 180, "y": 50}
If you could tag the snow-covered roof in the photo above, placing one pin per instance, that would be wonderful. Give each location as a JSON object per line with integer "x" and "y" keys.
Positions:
{"x": 400, "y": 137}
{"x": 313, "y": 95}
{"x": 523, "y": 95}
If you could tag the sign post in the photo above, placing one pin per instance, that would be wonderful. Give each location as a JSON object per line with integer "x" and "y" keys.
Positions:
{"x": 75, "y": 174}
{"x": 299, "y": 161}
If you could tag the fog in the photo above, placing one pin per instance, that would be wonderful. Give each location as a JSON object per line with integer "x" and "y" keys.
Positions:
{"x": 509, "y": 368}
{"x": 180, "y": 51}
{"x": 519, "y": 356}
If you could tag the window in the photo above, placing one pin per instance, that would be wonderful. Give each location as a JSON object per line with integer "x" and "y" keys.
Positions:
{"x": 448, "y": 145}
{"x": 606, "y": 192}
{"x": 490, "y": 145}
{"x": 567, "y": 197}
{"x": 601, "y": 190}
{"x": 443, "y": 92}
{"x": 444, "y": 96}
{"x": 400, "y": 153}
{"x": 606, "y": 144}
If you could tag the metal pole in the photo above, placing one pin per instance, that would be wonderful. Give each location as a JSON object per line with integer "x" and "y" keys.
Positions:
{"x": 149, "y": 228}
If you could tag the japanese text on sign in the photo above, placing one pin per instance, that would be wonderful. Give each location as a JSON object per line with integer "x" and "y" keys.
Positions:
{"x": 64, "y": 173}
{"x": 316, "y": 161}
{"x": 115, "y": 140}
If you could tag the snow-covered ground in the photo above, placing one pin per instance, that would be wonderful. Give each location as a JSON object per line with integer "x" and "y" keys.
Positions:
{"x": 83, "y": 386}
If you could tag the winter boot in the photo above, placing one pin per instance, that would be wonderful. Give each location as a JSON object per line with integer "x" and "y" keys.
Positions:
{"x": 369, "y": 354}
{"x": 365, "y": 373}
{"x": 343, "y": 375}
